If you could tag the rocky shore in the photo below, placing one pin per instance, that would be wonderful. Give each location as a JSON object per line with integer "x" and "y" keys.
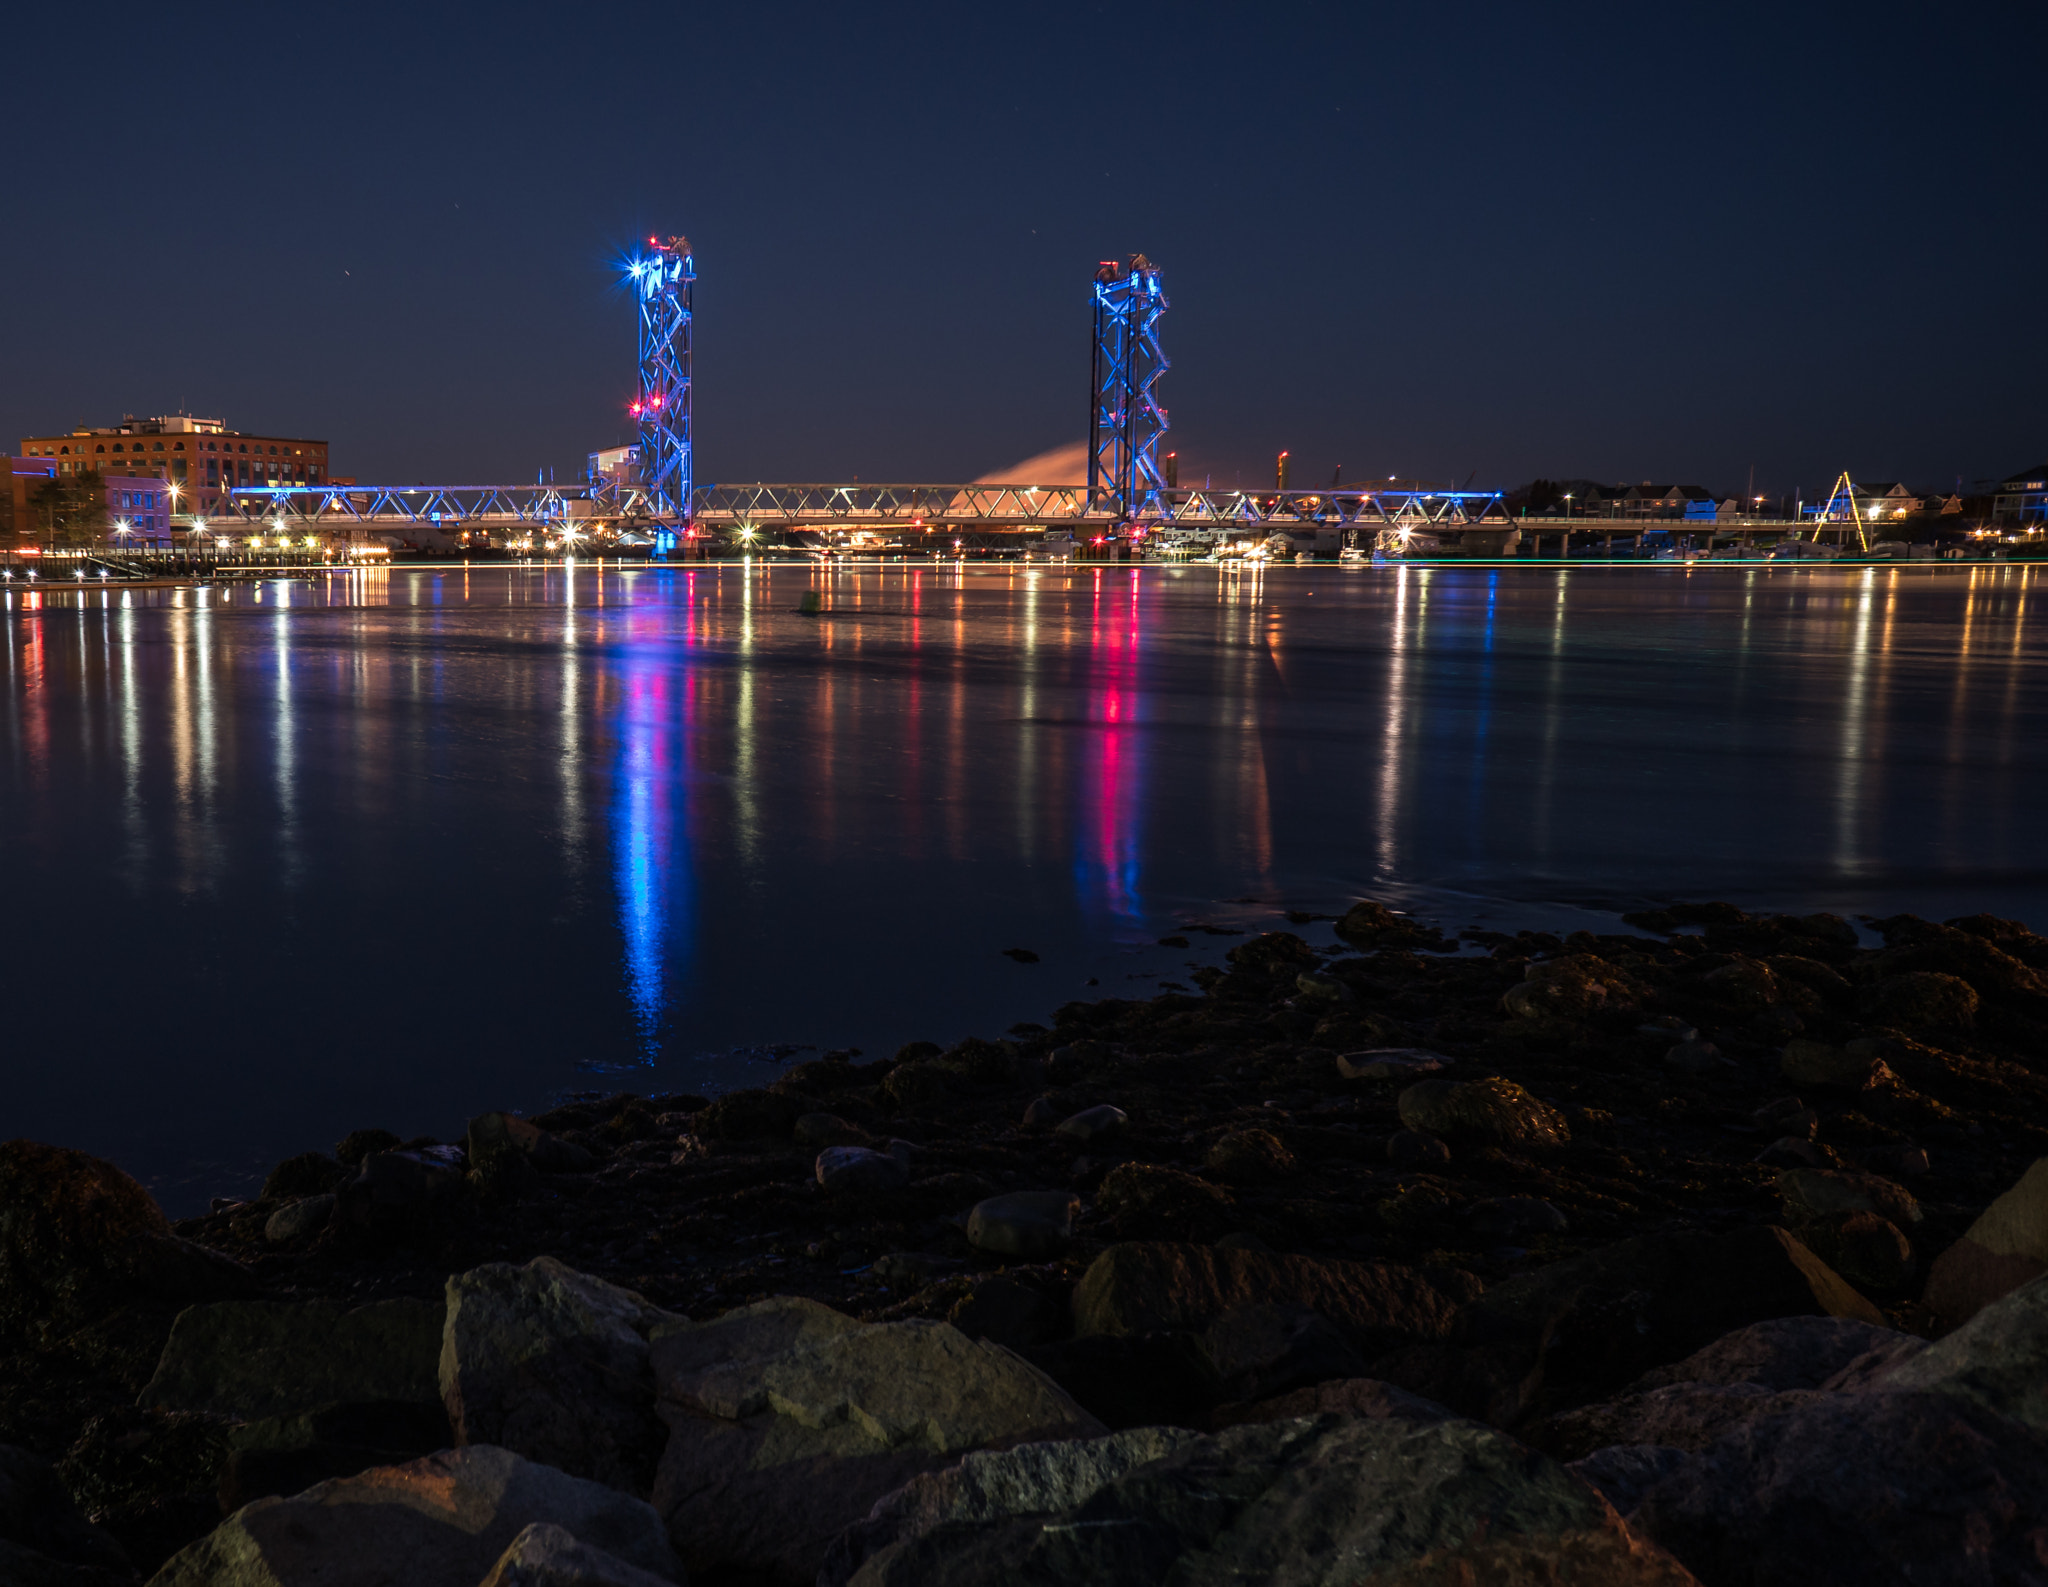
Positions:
{"x": 1712, "y": 1253}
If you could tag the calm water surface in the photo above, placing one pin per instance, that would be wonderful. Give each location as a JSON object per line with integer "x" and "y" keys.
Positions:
{"x": 392, "y": 848}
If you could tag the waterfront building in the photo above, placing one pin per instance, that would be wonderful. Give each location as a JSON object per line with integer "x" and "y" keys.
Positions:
{"x": 17, "y": 506}
{"x": 42, "y": 509}
{"x": 2022, "y": 499}
{"x": 200, "y": 458}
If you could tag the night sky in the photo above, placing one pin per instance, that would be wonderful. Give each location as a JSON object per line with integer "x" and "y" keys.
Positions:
{"x": 1454, "y": 241}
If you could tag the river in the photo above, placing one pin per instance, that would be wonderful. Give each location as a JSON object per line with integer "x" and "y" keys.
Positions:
{"x": 389, "y": 848}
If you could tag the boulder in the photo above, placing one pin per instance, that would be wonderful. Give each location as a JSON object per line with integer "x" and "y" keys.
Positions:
{"x": 1998, "y": 1359}
{"x": 398, "y": 1195}
{"x": 679, "y": 1348}
{"x": 1494, "y": 1111}
{"x": 446, "y": 1519}
{"x": 1921, "y": 998}
{"x": 1557, "y": 995}
{"x": 1323, "y": 1500}
{"x": 1150, "y": 1201}
{"x": 1625, "y": 1472}
{"x": 751, "y": 1115}
{"x": 545, "y": 1555}
{"x": 308, "y": 1174}
{"x": 299, "y": 1220}
{"x": 1851, "y": 1490}
{"x": 1323, "y": 988}
{"x": 1870, "y": 1252}
{"x": 1391, "y": 1063}
{"x": 265, "y": 1360}
{"x": 816, "y": 1131}
{"x": 1009, "y": 1312}
{"x": 1598, "y": 1319}
{"x": 1157, "y": 1285}
{"x": 1027, "y": 1223}
{"x": 1031, "y": 1479}
{"x": 1367, "y": 924}
{"x": 1093, "y": 1124}
{"x": 851, "y": 1170}
{"x": 1810, "y": 1193}
{"x": 1816, "y": 1063}
{"x": 43, "y": 1538}
{"x": 1338, "y": 1397}
{"x": 1041, "y": 1113}
{"x": 80, "y": 1242}
{"x": 1250, "y": 1157}
{"x": 921, "y": 1082}
{"x": 772, "y": 1456}
{"x": 492, "y": 1134}
{"x": 1262, "y": 1349}
{"x": 1782, "y": 1353}
{"x": 355, "y": 1147}
{"x": 1687, "y": 1416}
{"x": 2003, "y": 1249}
{"x": 553, "y": 1364}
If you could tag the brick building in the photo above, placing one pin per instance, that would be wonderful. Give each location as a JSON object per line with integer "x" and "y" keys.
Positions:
{"x": 199, "y": 458}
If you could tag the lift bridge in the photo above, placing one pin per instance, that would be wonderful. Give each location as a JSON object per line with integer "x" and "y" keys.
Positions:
{"x": 1130, "y": 497}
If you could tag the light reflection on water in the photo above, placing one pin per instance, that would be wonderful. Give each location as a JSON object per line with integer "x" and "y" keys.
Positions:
{"x": 396, "y": 846}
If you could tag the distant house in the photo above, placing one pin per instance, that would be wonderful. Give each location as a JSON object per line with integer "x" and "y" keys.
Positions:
{"x": 1649, "y": 500}
{"x": 1879, "y": 499}
{"x": 2022, "y": 498}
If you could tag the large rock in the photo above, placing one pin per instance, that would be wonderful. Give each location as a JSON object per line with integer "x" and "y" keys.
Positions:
{"x": 1026, "y": 1223}
{"x": 1998, "y": 1359}
{"x": 1556, "y": 995}
{"x": 81, "y": 1241}
{"x": 1494, "y": 1111}
{"x": 1340, "y": 1397}
{"x": 446, "y": 1519}
{"x": 1152, "y": 1286}
{"x": 399, "y": 1196}
{"x": 1689, "y": 1416}
{"x": 1917, "y": 999}
{"x": 1329, "y": 1500}
{"x": 545, "y": 1555}
{"x": 1262, "y": 1349}
{"x": 1603, "y": 1317}
{"x": 1031, "y": 1479}
{"x": 681, "y": 1348}
{"x": 493, "y": 1133}
{"x": 1150, "y": 1201}
{"x": 1859, "y": 1490}
{"x": 252, "y": 1360}
{"x": 771, "y": 1456}
{"x": 2003, "y": 1249}
{"x": 1783, "y": 1353}
{"x": 554, "y": 1364}
{"x": 43, "y": 1538}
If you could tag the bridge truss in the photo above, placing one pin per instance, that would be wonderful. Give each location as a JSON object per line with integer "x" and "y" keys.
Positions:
{"x": 1125, "y": 420}
{"x": 602, "y": 509}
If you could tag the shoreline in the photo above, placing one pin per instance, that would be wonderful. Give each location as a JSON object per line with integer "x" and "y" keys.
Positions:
{"x": 1475, "y": 1119}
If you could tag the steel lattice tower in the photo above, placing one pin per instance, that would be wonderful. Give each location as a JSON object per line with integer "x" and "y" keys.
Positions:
{"x": 1125, "y": 420}
{"x": 662, "y": 281}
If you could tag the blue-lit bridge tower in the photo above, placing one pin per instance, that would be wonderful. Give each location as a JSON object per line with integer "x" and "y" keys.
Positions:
{"x": 1125, "y": 420}
{"x": 662, "y": 280}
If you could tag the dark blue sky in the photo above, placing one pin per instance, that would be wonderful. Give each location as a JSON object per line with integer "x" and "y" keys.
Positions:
{"x": 1624, "y": 242}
